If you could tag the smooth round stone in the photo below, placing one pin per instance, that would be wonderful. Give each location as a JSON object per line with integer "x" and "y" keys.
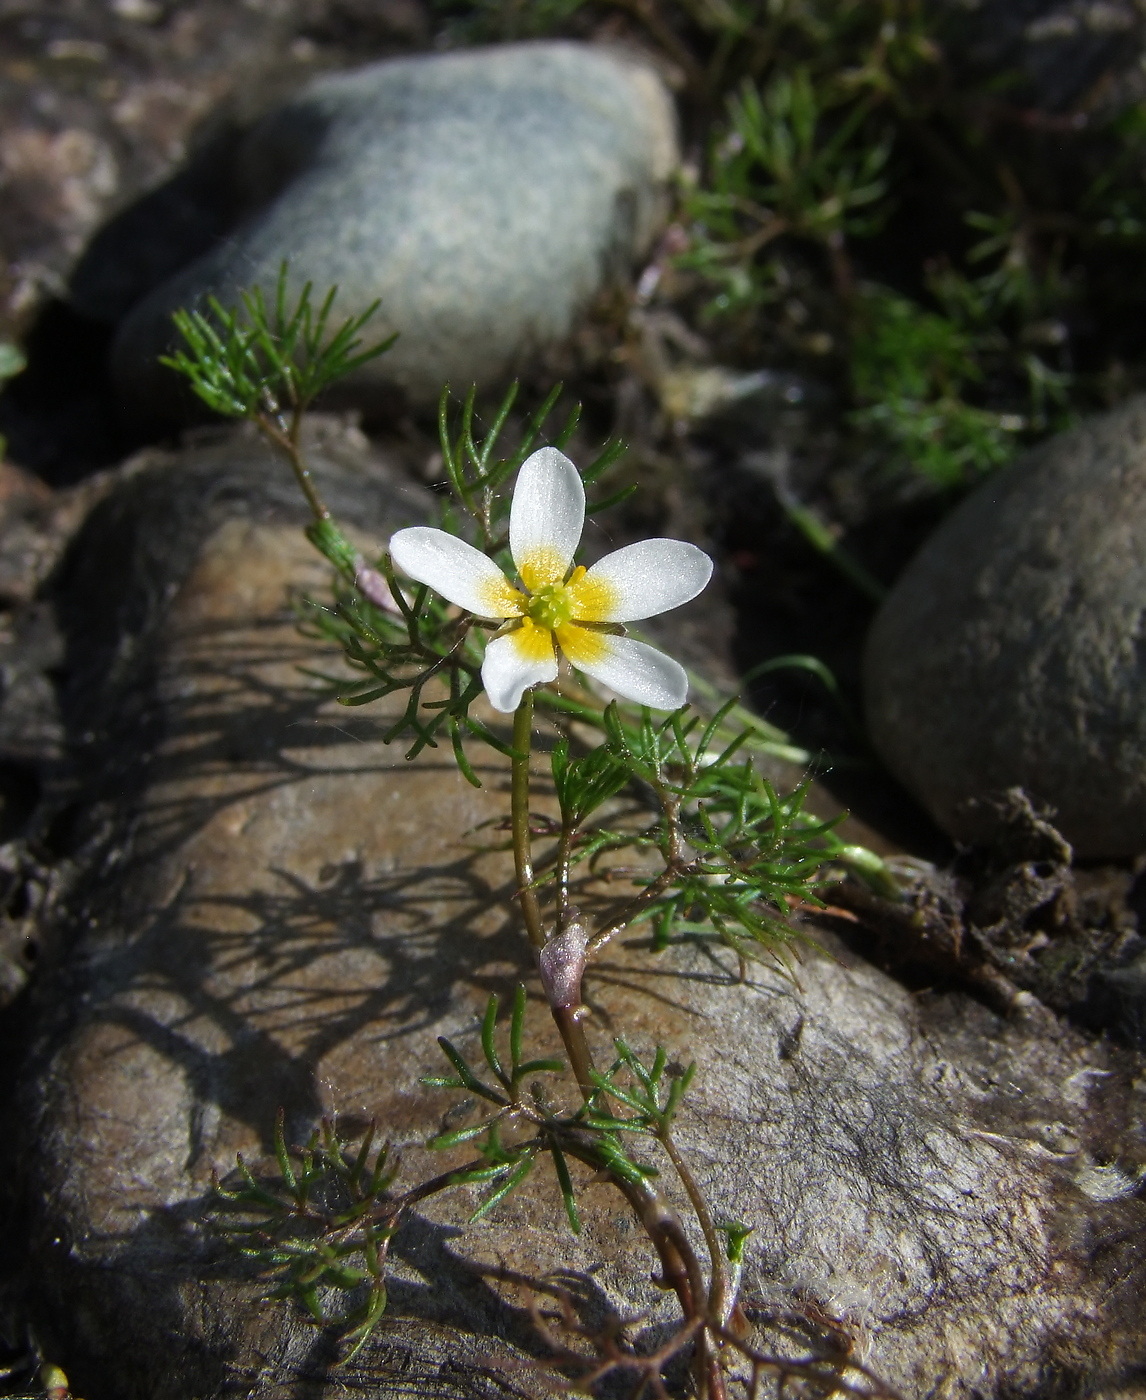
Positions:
{"x": 484, "y": 197}
{"x": 1011, "y": 650}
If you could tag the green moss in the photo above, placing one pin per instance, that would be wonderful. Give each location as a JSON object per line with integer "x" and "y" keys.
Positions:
{"x": 968, "y": 270}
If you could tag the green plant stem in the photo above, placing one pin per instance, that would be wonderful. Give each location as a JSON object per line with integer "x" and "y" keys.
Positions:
{"x": 572, "y": 1034}
{"x": 286, "y": 440}
{"x": 564, "y": 857}
{"x": 673, "y": 854}
{"x": 719, "y": 1287}
{"x": 577, "y": 1048}
{"x": 519, "y": 798}
{"x": 681, "y": 1271}
{"x": 679, "y": 1263}
{"x": 813, "y": 529}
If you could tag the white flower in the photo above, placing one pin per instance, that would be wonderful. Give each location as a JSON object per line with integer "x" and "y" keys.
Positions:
{"x": 552, "y": 604}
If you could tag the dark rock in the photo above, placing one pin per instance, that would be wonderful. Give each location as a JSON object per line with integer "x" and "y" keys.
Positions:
{"x": 484, "y": 197}
{"x": 28, "y": 889}
{"x": 1015, "y": 920}
{"x": 37, "y": 525}
{"x": 100, "y": 103}
{"x": 99, "y": 106}
{"x": 1009, "y": 652}
{"x": 30, "y": 729}
{"x": 159, "y": 234}
{"x": 34, "y": 521}
{"x": 273, "y": 909}
{"x": 1057, "y": 53}
{"x": 1117, "y": 996}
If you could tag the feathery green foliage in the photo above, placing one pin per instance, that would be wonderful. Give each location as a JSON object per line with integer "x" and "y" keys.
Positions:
{"x": 734, "y": 852}
{"x": 783, "y": 166}
{"x": 652, "y": 1105}
{"x": 321, "y": 1226}
{"x": 270, "y": 356}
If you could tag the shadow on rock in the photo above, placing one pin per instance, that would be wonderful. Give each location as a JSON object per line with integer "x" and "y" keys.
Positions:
{"x": 271, "y": 908}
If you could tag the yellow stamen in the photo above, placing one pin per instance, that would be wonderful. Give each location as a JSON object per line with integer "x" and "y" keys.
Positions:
{"x": 549, "y": 606}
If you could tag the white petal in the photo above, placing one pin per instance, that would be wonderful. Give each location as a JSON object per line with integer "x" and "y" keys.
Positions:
{"x": 633, "y": 670}
{"x": 521, "y": 658}
{"x": 641, "y": 580}
{"x": 546, "y": 517}
{"x": 456, "y": 570}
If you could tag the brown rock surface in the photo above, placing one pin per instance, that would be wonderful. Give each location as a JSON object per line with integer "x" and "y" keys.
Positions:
{"x": 278, "y": 910}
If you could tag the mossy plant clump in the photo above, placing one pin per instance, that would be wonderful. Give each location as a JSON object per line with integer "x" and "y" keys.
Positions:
{"x": 960, "y": 260}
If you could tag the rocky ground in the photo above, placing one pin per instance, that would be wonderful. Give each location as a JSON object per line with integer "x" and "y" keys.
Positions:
{"x": 223, "y": 896}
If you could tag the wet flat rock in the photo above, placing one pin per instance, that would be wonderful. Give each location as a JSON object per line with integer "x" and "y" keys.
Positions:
{"x": 280, "y": 911}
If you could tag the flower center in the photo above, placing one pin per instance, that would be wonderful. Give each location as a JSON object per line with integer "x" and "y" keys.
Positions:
{"x": 550, "y": 606}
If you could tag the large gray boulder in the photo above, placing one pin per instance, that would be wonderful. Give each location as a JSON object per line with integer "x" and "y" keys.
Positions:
{"x": 1011, "y": 651}
{"x": 485, "y": 197}
{"x": 275, "y": 910}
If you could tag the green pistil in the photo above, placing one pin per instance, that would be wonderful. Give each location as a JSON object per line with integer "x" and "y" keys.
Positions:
{"x": 550, "y": 606}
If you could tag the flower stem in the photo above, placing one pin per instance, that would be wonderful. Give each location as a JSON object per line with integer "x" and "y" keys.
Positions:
{"x": 286, "y": 440}
{"x": 519, "y": 797}
{"x": 718, "y": 1285}
{"x": 572, "y": 1034}
{"x": 681, "y": 1269}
